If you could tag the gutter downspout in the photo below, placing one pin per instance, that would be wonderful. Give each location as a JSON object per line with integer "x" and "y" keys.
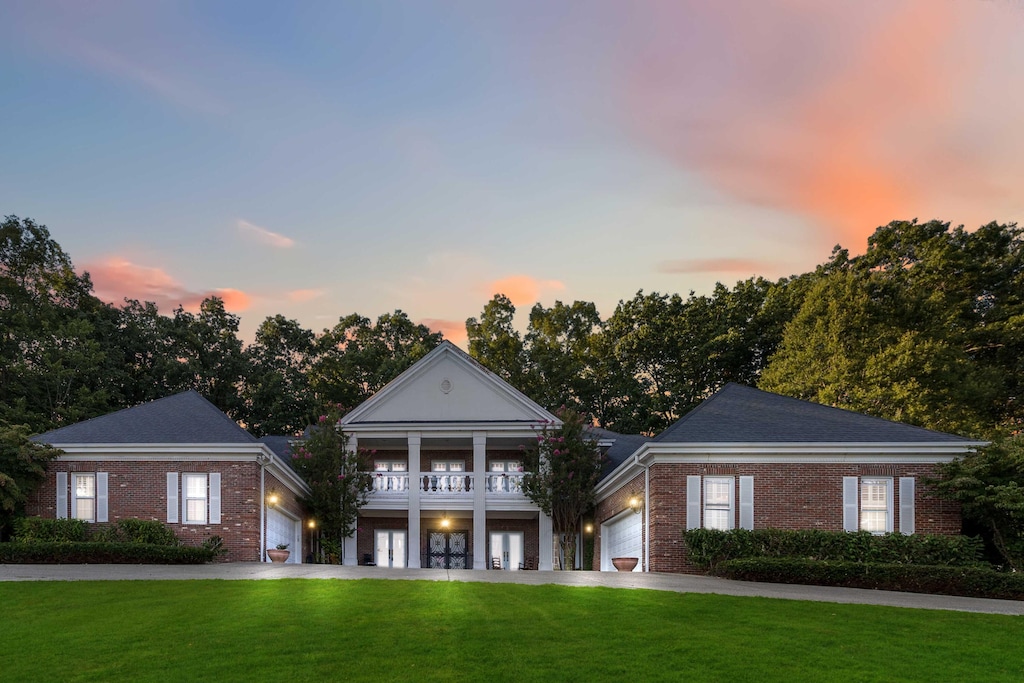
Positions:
{"x": 646, "y": 535}
{"x": 263, "y": 507}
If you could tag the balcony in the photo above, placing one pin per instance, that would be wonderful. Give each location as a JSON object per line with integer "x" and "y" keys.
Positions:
{"x": 396, "y": 484}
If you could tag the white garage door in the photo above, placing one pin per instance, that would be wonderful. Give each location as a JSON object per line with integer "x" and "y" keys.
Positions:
{"x": 621, "y": 538}
{"x": 283, "y": 529}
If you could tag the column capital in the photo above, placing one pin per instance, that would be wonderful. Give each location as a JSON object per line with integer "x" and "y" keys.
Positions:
{"x": 413, "y": 438}
{"x": 479, "y": 438}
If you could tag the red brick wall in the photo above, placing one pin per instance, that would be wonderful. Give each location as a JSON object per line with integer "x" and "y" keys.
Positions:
{"x": 139, "y": 490}
{"x": 786, "y": 496}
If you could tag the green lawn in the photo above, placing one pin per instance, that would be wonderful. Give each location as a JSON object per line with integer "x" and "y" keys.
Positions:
{"x": 372, "y": 630}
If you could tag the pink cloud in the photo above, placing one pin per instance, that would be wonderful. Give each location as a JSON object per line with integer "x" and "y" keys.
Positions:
{"x": 716, "y": 265}
{"x": 265, "y": 236}
{"x": 116, "y": 278}
{"x": 849, "y": 114}
{"x": 453, "y": 330}
{"x": 522, "y": 290}
{"x": 300, "y": 295}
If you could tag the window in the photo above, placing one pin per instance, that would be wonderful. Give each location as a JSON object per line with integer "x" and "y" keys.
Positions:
{"x": 196, "y": 501}
{"x": 876, "y": 505}
{"x": 195, "y": 490}
{"x": 711, "y": 502}
{"x": 83, "y": 496}
{"x": 868, "y": 504}
{"x": 389, "y": 466}
{"x": 718, "y": 512}
{"x": 85, "y": 493}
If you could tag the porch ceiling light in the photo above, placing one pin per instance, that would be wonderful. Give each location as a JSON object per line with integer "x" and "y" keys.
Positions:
{"x": 636, "y": 504}
{"x": 444, "y": 522}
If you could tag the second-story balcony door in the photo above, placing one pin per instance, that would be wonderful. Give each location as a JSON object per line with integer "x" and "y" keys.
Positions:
{"x": 390, "y": 548}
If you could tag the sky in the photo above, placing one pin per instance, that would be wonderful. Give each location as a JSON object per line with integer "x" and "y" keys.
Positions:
{"x": 316, "y": 159}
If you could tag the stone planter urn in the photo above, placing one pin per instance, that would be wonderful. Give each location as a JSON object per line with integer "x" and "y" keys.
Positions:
{"x": 624, "y": 564}
{"x": 279, "y": 554}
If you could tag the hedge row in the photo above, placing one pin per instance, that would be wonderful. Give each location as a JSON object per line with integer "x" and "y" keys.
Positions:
{"x": 98, "y": 552}
{"x": 708, "y": 547}
{"x": 972, "y": 582}
{"x": 56, "y": 530}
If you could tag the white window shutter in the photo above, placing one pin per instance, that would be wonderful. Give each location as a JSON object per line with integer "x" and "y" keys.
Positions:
{"x": 101, "y": 497}
{"x": 906, "y": 505}
{"x": 747, "y": 503}
{"x": 851, "y": 517}
{"x": 732, "y": 503}
{"x": 214, "y": 497}
{"x": 693, "y": 501}
{"x": 172, "y": 497}
{"x": 62, "y": 495}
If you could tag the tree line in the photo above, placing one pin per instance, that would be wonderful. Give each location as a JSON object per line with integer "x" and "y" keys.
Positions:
{"x": 926, "y": 327}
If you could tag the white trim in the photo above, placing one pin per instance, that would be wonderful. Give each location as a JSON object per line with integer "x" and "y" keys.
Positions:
{"x": 440, "y": 430}
{"x": 780, "y": 454}
{"x": 259, "y": 453}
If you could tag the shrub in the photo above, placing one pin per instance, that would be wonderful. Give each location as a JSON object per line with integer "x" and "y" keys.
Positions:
{"x": 138, "y": 531}
{"x": 55, "y": 530}
{"x": 92, "y": 552}
{"x": 708, "y": 547}
{"x": 215, "y": 544}
{"x": 939, "y": 579}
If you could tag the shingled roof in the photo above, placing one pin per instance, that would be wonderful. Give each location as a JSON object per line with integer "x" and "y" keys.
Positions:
{"x": 740, "y": 414}
{"x": 181, "y": 418}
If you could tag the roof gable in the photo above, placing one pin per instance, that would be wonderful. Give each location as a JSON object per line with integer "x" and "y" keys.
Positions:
{"x": 446, "y": 386}
{"x": 182, "y": 418}
{"x": 741, "y": 414}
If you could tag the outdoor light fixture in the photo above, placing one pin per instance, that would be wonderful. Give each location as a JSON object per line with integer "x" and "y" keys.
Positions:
{"x": 589, "y": 528}
{"x": 311, "y": 524}
{"x": 636, "y": 504}
{"x": 272, "y": 500}
{"x": 444, "y": 521}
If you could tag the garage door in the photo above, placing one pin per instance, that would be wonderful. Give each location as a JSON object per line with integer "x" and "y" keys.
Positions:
{"x": 621, "y": 538}
{"x": 283, "y": 529}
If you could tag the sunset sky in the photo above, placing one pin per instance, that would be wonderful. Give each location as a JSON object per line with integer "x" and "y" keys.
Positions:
{"x": 317, "y": 159}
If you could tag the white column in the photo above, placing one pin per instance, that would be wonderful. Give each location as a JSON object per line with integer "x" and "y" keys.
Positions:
{"x": 350, "y": 550}
{"x": 412, "y": 543}
{"x": 480, "y": 500}
{"x": 546, "y": 539}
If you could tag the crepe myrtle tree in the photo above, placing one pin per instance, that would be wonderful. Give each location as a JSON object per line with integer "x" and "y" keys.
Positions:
{"x": 338, "y": 477}
{"x": 562, "y": 469}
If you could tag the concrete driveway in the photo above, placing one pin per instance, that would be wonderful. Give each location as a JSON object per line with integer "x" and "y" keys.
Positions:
{"x": 678, "y": 583}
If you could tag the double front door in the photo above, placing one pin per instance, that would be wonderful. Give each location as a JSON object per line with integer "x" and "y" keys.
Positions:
{"x": 390, "y": 547}
{"x": 448, "y": 550}
{"x": 507, "y": 549}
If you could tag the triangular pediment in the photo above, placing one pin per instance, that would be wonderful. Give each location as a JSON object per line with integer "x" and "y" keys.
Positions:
{"x": 447, "y": 386}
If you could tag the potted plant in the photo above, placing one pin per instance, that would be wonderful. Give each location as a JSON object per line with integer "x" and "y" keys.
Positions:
{"x": 279, "y": 554}
{"x": 624, "y": 564}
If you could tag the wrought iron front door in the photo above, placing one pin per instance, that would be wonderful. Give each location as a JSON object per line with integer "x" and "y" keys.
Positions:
{"x": 448, "y": 550}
